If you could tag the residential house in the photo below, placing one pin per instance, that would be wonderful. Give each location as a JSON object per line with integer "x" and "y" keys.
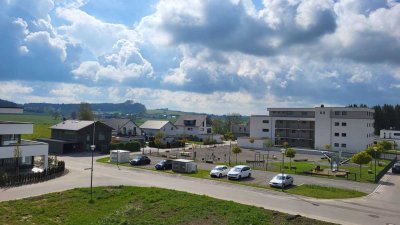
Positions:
{"x": 16, "y": 151}
{"x": 194, "y": 125}
{"x": 123, "y": 127}
{"x": 78, "y": 135}
{"x": 241, "y": 130}
{"x": 392, "y": 136}
{"x": 152, "y": 127}
{"x": 346, "y": 129}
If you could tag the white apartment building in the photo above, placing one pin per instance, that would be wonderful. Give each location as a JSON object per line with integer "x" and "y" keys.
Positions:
{"x": 10, "y": 140}
{"x": 344, "y": 128}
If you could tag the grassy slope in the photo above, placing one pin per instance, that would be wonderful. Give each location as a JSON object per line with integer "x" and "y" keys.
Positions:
{"x": 41, "y": 123}
{"x": 314, "y": 191}
{"x": 136, "y": 205}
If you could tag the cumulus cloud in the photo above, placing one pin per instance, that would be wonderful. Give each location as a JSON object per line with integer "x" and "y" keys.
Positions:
{"x": 123, "y": 63}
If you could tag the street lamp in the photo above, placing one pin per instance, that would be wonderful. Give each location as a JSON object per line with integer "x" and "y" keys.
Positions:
{"x": 91, "y": 174}
{"x": 375, "y": 151}
{"x": 283, "y": 163}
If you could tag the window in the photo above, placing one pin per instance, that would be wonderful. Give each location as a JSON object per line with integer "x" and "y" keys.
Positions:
{"x": 344, "y": 124}
{"x": 344, "y": 134}
{"x": 336, "y": 134}
{"x": 190, "y": 128}
{"x": 172, "y": 128}
{"x": 304, "y": 113}
{"x": 336, "y": 145}
{"x": 265, "y": 130}
{"x": 102, "y": 137}
{"x": 396, "y": 134}
{"x": 336, "y": 124}
{"x": 293, "y": 131}
{"x": 343, "y": 145}
{"x": 265, "y": 121}
{"x": 337, "y": 113}
{"x": 344, "y": 113}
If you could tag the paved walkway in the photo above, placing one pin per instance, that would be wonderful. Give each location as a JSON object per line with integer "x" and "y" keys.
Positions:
{"x": 381, "y": 207}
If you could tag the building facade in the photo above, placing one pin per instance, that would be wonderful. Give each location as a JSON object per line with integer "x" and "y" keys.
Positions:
{"x": 194, "y": 125}
{"x": 343, "y": 128}
{"x": 16, "y": 151}
{"x": 78, "y": 135}
{"x": 123, "y": 127}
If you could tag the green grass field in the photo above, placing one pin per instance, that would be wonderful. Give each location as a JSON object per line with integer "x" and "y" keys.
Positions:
{"x": 41, "y": 123}
{"x": 137, "y": 205}
{"x": 314, "y": 191}
{"x": 352, "y": 168}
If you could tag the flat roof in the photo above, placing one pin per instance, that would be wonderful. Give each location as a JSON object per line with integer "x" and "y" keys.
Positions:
{"x": 183, "y": 160}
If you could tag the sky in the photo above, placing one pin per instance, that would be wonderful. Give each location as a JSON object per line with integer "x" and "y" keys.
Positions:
{"x": 231, "y": 56}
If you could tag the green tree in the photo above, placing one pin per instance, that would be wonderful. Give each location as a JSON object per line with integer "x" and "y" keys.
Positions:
{"x": 328, "y": 147}
{"x": 361, "y": 158}
{"x": 251, "y": 140}
{"x": 158, "y": 139}
{"x": 74, "y": 115}
{"x": 290, "y": 153}
{"x": 229, "y": 137}
{"x": 17, "y": 156}
{"x": 285, "y": 145}
{"x": 236, "y": 150}
{"x": 386, "y": 145}
{"x": 85, "y": 112}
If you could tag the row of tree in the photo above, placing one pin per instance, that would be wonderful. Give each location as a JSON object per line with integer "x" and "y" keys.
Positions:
{"x": 372, "y": 152}
{"x": 386, "y": 117}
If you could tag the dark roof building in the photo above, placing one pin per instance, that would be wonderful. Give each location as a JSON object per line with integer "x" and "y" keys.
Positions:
{"x": 78, "y": 135}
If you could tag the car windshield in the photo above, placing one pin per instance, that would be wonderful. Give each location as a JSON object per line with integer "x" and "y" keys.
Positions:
{"x": 237, "y": 169}
{"x": 280, "y": 177}
{"x": 162, "y": 161}
{"x": 138, "y": 157}
{"x": 218, "y": 168}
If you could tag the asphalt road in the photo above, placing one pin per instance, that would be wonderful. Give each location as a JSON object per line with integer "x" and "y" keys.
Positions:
{"x": 380, "y": 207}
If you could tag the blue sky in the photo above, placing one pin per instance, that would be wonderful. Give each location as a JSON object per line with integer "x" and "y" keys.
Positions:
{"x": 201, "y": 55}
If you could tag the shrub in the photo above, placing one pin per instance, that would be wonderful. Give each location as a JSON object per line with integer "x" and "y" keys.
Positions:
{"x": 133, "y": 146}
{"x": 113, "y": 146}
{"x": 121, "y": 146}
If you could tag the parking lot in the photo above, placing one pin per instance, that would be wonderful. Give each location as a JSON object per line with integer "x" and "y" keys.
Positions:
{"x": 259, "y": 176}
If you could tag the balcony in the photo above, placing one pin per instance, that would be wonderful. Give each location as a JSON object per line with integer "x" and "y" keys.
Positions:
{"x": 27, "y": 148}
{"x": 7, "y": 127}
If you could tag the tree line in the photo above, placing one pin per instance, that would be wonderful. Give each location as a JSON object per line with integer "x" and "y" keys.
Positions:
{"x": 386, "y": 117}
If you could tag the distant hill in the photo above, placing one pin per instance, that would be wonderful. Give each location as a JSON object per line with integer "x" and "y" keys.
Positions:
{"x": 128, "y": 107}
{"x": 7, "y": 104}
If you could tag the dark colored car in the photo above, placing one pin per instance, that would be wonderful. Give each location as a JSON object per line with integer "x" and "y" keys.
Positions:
{"x": 396, "y": 168}
{"x": 165, "y": 164}
{"x": 140, "y": 160}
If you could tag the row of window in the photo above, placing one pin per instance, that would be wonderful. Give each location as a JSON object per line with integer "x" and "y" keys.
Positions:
{"x": 343, "y": 135}
{"x": 343, "y": 113}
{"x": 343, "y": 145}
{"x": 265, "y": 121}
{"x": 370, "y": 124}
{"x": 344, "y": 124}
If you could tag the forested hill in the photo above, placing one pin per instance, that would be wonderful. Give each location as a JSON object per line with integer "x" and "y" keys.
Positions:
{"x": 7, "y": 104}
{"x": 128, "y": 107}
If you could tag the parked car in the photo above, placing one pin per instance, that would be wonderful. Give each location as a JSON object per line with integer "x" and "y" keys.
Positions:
{"x": 219, "y": 171}
{"x": 165, "y": 164}
{"x": 281, "y": 180}
{"x": 36, "y": 170}
{"x": 396, "y": 168}
{"x": 140, "y": 160}
{"x": 239, "y": 172}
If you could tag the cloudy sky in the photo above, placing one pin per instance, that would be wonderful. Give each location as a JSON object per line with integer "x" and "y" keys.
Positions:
{"x": 201, "y": 55}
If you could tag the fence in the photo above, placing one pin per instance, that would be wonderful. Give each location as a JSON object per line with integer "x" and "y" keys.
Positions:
{"x": 384, "y": 171}
{"x": 22, "y": 179}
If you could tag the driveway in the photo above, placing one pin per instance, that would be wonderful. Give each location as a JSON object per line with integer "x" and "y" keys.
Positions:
{"x": 381, "y": 207}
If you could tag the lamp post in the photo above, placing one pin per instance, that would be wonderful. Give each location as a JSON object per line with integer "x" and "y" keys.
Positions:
{"x": 375, "y": 150}
{"x": 283, "y": 164}
{"x": 91, "y": 175}
{"x": 144, "y": 143}
{"x": 92, "y": 147}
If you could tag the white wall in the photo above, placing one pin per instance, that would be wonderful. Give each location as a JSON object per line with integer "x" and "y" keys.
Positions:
{"x": 16, "y": 128}
{"x": 11, "y": 110}
{"x": 323, "y": 128}
{"x": 36, "y": 149}
{"x": 257, "y": 126}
